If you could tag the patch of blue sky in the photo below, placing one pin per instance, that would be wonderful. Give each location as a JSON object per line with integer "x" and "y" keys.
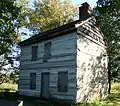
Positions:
{"x": 91, "y": 2}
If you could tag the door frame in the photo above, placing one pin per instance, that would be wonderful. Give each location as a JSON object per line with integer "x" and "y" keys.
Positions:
{"x": 42, "y": 73}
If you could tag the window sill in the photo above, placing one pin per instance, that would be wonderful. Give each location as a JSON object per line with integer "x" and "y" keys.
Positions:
{"x": 45, "y": 59}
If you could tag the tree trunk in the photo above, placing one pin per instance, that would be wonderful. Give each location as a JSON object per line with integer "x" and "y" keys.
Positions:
{"x": 109, "y": 75}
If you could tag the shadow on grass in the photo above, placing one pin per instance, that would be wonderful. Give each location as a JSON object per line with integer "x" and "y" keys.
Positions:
{"x": 112, "y": 100}
{"x": 30, "y": 101}
{"x": 15, "y": 96}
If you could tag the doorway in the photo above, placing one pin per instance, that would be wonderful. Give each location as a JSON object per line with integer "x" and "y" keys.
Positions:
{"x": 45, "y": 85}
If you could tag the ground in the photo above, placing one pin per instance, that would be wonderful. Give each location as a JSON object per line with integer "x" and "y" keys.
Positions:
{"x": 12, "y": 103}
{"x": 112, "y": 100}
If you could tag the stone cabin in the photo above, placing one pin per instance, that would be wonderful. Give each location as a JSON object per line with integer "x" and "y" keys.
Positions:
{"x": 66, "y": 63}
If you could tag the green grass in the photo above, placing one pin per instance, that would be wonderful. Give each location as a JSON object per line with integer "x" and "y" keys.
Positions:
{"x": 11, "y": 87}
{"x": 112, "y": 100}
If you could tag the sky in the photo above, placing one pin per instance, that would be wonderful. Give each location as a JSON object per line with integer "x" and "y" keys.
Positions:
{"x": 91, "y": 2}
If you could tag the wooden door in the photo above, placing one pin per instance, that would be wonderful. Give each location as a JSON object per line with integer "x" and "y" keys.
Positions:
{"x": 45, "y": 85}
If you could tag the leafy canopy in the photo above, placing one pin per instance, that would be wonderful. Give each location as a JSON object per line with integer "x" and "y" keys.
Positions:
{"x": 108, "y": 14}
{"x": 48, "y": 14}
{"x": 8, "y": 23}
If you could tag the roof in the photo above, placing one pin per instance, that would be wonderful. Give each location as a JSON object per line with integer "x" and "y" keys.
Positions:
{"x": 59, "y": 31}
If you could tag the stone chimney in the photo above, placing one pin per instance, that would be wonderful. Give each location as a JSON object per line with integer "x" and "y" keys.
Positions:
{"x": 85, "y": 11}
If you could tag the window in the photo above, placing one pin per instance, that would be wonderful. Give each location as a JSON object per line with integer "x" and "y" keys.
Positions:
{"x": 34, "y": 52}
{"x": 63, "y": 81}
{"x": 32, "y": 80}
{"x": 47, "y": 51}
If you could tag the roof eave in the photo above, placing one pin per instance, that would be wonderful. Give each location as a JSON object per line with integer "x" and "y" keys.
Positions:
{"x": 46, "y": 36}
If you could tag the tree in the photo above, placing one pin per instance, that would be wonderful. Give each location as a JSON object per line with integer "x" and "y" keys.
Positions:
{"x": 110, "y": 7}
{"x": 9, "y": 23}
{"x": 48, "y": 14}
{"x": 108, "y": 15}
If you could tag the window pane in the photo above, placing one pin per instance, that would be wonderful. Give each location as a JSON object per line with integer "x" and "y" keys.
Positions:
{"x": 32, "y": 80}
{"x": 47, "y": 50}
{"x": 63, "y": 81}
{"x": 34, "y": 52}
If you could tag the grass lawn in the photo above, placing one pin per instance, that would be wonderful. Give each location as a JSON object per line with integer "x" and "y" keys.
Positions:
{"x": 112, "y": 100}
{"x": 11, "y": 87}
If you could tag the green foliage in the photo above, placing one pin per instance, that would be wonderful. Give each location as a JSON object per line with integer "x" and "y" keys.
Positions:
{"x": 108, "y": 12}
{"x": 48, "y": 14}
{"x": 25, "y": 7}
{"x": 8, "y": 22}
{"x": 13, "y": 78}
{"x": 10, "y": 87}
{"x": 110, "y": 7}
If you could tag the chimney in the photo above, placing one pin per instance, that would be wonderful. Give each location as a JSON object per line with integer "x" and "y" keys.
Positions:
{"x": 85, "y": 11}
